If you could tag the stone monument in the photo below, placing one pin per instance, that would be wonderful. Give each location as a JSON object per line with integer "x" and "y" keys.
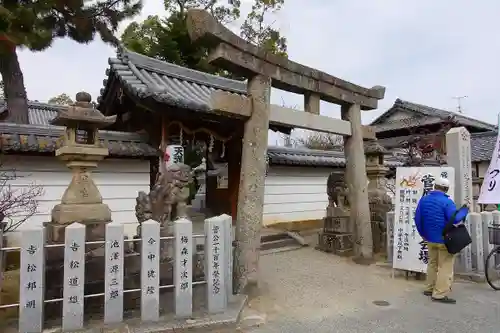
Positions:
{"x": 458, "y": 155}
{"x": 379, "y": 199}
{"x": 81, "y": 150}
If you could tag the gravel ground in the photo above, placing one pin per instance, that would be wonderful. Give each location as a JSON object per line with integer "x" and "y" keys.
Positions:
{"x": 307, "y": 290}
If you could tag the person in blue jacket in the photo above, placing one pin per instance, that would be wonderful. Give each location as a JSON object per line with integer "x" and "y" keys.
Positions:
{"x": 434, "y": 211}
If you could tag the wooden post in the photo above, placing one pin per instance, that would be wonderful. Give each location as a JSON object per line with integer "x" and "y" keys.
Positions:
{"x": 357, "y": 182}
{"x": 164, "y": 142}
{"x": 2, "y": 255}
{"x": 251, "y": 189}
{"x": 234, "y": 169}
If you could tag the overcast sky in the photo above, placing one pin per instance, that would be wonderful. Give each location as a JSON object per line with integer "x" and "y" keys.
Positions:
{"x": 424, "y": 51}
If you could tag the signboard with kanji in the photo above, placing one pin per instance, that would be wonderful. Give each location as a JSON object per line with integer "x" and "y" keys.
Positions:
{"x": 410, "y": 251}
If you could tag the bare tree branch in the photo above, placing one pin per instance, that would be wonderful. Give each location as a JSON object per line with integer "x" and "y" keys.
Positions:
{"x": 390, "y": 185}
{"x": 17, "y": 203}
{"x": 321, "y": 141}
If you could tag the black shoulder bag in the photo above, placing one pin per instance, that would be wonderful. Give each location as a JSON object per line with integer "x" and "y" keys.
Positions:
{"x": 456, "y": 238}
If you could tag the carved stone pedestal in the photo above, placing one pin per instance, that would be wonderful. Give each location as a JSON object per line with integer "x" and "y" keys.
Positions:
{"x": 337, "y": 235}
{"x": 338, "y": 222}
{"x": 337, "y": 243}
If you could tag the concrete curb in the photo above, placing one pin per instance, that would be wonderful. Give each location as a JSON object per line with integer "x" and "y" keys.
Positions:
{"x": 473, "y": 276}
{"x": 204, "y": 322}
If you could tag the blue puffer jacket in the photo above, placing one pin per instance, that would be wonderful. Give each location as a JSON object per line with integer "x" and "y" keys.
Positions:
{"x": 434, "y": 210}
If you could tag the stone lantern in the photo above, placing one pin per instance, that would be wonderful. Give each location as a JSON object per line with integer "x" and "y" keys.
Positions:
{"x": 81, "y": 150}
{"x": 375, "y": 168}
{"x": 379, "y": 200}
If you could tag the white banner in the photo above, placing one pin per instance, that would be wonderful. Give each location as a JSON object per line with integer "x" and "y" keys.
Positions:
{"x": 410, "y": 252}
{"x": 490, "y": 189}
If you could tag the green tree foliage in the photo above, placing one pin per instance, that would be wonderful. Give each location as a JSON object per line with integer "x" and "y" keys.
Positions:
{"x": 62, "y": 99}
{"x": 36, "y": 24}
{"x": 255, "y": 30}
{"x": 166, "y": 38}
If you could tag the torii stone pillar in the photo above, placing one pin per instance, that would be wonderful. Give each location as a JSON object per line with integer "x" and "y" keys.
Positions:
{"x": 357, "y": 184}
{"x": 264, "y": 69}
{"x": 252, "y": 175}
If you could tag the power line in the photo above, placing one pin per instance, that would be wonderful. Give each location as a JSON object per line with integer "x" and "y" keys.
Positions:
{"x": 459, "y": 102}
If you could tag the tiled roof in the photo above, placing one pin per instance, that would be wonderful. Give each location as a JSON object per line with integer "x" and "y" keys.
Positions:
{"x": 427, "y": 111}
{"x": 482, "y": 144}
{"x": 394, "y": 142}
{"x": 38, "y": 113}
{"x": 40, "y": 136}
{"x": 317, "y": 158}
{"x": 167, "y": 83}
{"x": 406, "y": 123}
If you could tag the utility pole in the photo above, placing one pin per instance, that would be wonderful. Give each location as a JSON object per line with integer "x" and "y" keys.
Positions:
{"x": 459, "y": 102}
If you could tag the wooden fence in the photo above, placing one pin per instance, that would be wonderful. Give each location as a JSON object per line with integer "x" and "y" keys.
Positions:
{"x": 217, "y": 271}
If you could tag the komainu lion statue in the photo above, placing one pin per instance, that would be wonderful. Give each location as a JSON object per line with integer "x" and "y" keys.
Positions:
{"x": 336, "y": 190}
{"x": 167, "y": 200}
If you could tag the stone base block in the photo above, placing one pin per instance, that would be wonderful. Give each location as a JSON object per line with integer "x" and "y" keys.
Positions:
{"x": 379, "y": 237}
{"x": 337, "y": 211}
{"x": 55, "y": 232}
{"x": 83, "y": 213}
{"x": 338, "y": 243}
{"x": 337, "y": 224}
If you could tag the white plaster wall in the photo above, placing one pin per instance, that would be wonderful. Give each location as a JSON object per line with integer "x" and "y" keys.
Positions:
{"x": 483, "y": 167}
{"x": 295, "y": 194}
{"x": 119, "y": 181}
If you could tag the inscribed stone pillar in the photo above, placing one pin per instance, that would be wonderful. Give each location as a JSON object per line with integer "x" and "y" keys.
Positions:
{"x": 251, "y": 189}
{"x": 458, "y": 155}
{"x": 476, "y": 233}
{"x": 216, "y": 263}
{"x": 357, "y": 183}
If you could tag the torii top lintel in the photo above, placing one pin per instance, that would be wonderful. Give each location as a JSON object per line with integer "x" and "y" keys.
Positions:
{"x": 234, "y": 53}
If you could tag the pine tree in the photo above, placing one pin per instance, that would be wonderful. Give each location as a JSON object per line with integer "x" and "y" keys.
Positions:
{"x": 36, "y": 24}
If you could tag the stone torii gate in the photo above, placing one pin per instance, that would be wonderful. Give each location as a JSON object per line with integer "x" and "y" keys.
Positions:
{"x": 264, "y": 70}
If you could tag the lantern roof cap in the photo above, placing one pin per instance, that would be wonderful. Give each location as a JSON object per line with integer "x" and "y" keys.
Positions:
{"x": 82, "y": 115}
{"x": 372, "y": 147}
